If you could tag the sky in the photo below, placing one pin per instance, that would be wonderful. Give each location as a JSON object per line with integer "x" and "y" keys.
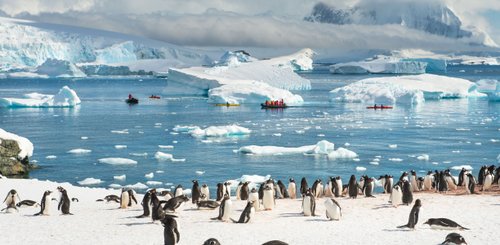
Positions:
{"x": 259, "y": 23}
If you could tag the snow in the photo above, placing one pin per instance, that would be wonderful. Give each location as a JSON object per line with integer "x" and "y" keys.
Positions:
{"x": 220, "y": 131}
{"x": 79, "y": 151}
{"x": 90, "y": 181}
{"x": 117, "y": 161}
{"x": 25, "y": 144}
{"x": 467, "y": 167}
{"x": 380, "y": 65}
{"x": 161, "y": 156}
{"x": 66, "y": 97}
{"x": 404, "y": 89}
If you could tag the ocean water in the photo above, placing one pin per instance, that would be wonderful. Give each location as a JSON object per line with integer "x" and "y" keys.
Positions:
{"x": 450, "y": 132}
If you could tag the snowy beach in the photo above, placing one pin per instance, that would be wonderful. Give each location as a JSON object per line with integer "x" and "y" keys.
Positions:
{"x": 364, "y": 220}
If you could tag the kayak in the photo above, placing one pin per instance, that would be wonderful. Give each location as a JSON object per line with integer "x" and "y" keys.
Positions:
{"x": 132, "y": 101}
{"x": 154, "y": 97}
{"x": 227, "y": 104}
{"x": 379, "y": 107}
{"x": 264, "y": 106}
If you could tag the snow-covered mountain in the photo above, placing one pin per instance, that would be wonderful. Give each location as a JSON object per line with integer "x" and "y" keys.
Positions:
{"x": 428, "y": 16}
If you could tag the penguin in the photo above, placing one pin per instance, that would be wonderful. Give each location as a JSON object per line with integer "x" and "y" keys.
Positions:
{"x": 327, "y": 190}
{"x": 171, "y": 234}
{"x": 428, "y": 180}
{"x": 195, "y": 192}
{"x": 443, "y": 184}
{"x": 404, "y": 176}
{"x": 227, "y": 189}
{"x": 413, "y": 219}
{"x": 283, "y": 190}
{"x": 461, "y": 177}
{"x": 277, "y": 190}
{"x": 224, "y": 209}
{"x": 452, "y": 184}
{"x": 444, "y": 223}
{"x": 309, "y": 204}
{"x": 220, "y": 192}
{"x": 131, "y": 195}
{"x": 407, "y": 194}
{"x": 420, "y": 183}
{"x": 361, "y": 184}
{"x": 497, "y": 176}
{"x": 114, "y": 198}
{"x": 396, "y": 196}
{"x": 454, "y": 238}
{"x": 74, "y": 199}
{"x": 146, "y": 201}
{"x": 261, "y": 191}
{"x": 45, "y": 204}
{"x": 481, "y": 175}
{"x": 157, "y": 213}
{"x": 413, "y": 181}
{"x": 292, "y": 188}
{"x": 488, "y": 180}
{"x": 337, "y": 186}
{"x": 389, "y": 182}
{"x": 124, "y": 199}
{"x": 207, "y": 204}
{"x": 204, "y": 193}
{"x": 436, "y": 178}
{"x": 317, "y": 188}
{"x": 254, "y": 198}
{"x": 333, "y": 209}
{"x": 64, "y": 202}
{"x": 175, "y": 203}
{"x": 27, "y": 203}
{"x": 268, "y": 198}
{"x": 212, "y": 241}
{"x": 247, "y": 214}
{"x": 381, "y": 181}
{"x": 353, "y": 187}
{"x": 275, "y": 242}
{"x": 244, "y": 191}
{"x": 10, "y": 201}
{"x": 238, "y": 188}
{"x": 178, "y": 191}
{"x": 368, "y": 186}
{"x": 470, "y": 183}
{"x": 303, "y": 186}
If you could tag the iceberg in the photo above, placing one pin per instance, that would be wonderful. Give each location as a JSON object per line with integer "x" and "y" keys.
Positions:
{"x": 66, "y": 97}
{"x": 59, "y": 68}
{"x": 404, "y": 89}
{"x": 342, "y": 153}
{"x": 490, "y": 87}
{"x": 323, "y": 147}
{"x": 380, "y": 65}
{"x": 235, "y": 58}
{"x": 25, "y": 144}
{"x": 220, "y": 131}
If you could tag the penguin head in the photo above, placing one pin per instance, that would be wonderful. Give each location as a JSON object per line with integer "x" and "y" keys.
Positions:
{"x": 418, "y": 203}
{"x": 12, "y": 192}
{"x": 204, "y": 185}
{"x": 195, "y": 181}
{"x": 291, "y": 180}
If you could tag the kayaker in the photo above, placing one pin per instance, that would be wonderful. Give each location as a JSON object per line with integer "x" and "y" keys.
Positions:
{"x": 129, "y": 96}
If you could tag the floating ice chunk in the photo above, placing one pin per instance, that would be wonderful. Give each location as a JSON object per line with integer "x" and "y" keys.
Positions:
{"x": 137, "y": 185}
{"x": 115, "y": 186}
{"x": 374, "y": 163}
{"x": 395, "y": 159}
{"x": 478, "y": 143}
{"x": 79, "y": 151}
{"x": 380, "y": 65}
{"x": 200, "y": 172}
{"x": 277, "y": 134}
{"x": 150, "y": 175}
{"x": 124, "y": 131}
{"x": 456, "y": 151}
{"x": 462, "y": 129}
{"x": 51, "y": 157}
{"x": 84, "y": 138}
{"x": 494, "y": 140}
{"x": 161, "y": 156}
{"x": 393, "y": 146}
{"x": 25, "y": 145}
{"x": 90, "y": 181}
{"x": 467, "y": 167}
{"x": 117, "y": 161}
{"x": 152, "y": 182}
{"x": 180, "y": 128}
{"x": 120, "y": 177}
{"x": 342, "y": 153}
{"x": 360, "y": 169}
{"x": 159, "y": 171}
{"x": 120, "y": 146}
{"x": 66, "y": 97}
{"x": 322, "y": 147}
{"x": 166, "y": 146}
{"x": 254, "y": 180}
{"x": 423, "y": 157}
{"x": 220, "y": 131}
{"x": 144, "y": 154}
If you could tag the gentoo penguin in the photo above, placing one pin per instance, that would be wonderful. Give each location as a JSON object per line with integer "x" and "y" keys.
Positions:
{"x": 238, "y": 188}
{"x": 220, "y": 192}
{"x": 361, "y": 184}
{"x": 175, "y": 203}
{"x": 227, "y": 189}
{"x": 368, "y": 186}
{"x": 353, "y": 187}
{"x": 420, "y": 183}
{"x": 442, "y": 184}
{"x": 436, "y": 178}
{"x": 45, "y": 204}
{"x": 444, "y": 223}
{"x": 481, "y": 175}
{"x": 10, "y": 201}
{"x": 146, "y": 200}
{"x": 131, "y": 195}
{"x": 413, "y": 219}
{"x": 64, "y": 202}
{"x": 167, "y": 195}
{"x": 157, "y": 213}
{"x": 276, "y": 189}
{"x": 114, "y": 198}
{"x": 404, "y": 176}
{"x": 283, "y": 190}
{"x": 396, "y": 196}
{"x": 210, "y": 204}
{"x": 454, "y": 238}
{"x": 195, "y": 192}
{"x": 212, "y": 241}
{"x": 413, "y": 181}
{"x": 303, "y": 186}
{"x": 309, "y": 204}
{"x": 337, "y": 186}
{"x": 247, "y": 214}
{"x": 317, "y": 188}
{"x": 333, "y": 210}
{"x": 452, "y": 184}
{"x": 204, "y": 193}
{"x": 275, "y": 242}
{"x": 407, "y": 194}
{"x": 470, "y": 183}
{"x": 461, "y": 177}
{"x": 488, "y": 180}
{"x": 244, "y": 191}
{"x": 178, "y": 191}
{"x": 261, "y": 190}
{"x": 327, "y": 190}
{"x": 254, "y": 198}
{"x": 292, "y": 188}
{"x": 27, "y": 203}
{"x": 389, "y": 182}
{"x": 428, "y": 179}
{"x": 224, "y": 209}
{"x": 124, "y": 198}
{"x": 171, "y": 235}
{"x": 268, "y": 198}
{"x": 497, "y": 176}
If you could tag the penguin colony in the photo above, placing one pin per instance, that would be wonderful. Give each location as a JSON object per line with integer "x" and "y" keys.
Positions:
{"x": 162, "y": 205}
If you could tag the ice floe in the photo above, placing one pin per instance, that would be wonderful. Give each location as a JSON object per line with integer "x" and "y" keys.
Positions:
{"x": 467, "y": 167}
{"x": 66, "y": 97}
{"x": 360, "y": 169}
{"x": 117, "y": 161}
{"x": 120, "y": 177}
{"x": 79, "y": 151}
{"x": 380, "y": 65}
{"x": 90, "y": 181}
{"x": 120, "y": 146}
{"x": 161, "y": 156}
{"x": 220, "y": 131}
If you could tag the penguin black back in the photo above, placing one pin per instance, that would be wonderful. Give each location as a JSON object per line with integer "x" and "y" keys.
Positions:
{"x": 131, "y": 196}
{"x": 353, "y": 187}
{"x": 171, "y": 235}
{"x": 146, "y": 200}
{"x": 220, "y": 191}
{"x": 195, "y": 192}
{"x": 407, "y": 194}
{"x": 413, "y": 218}
{"x": 64, "y": 203}
{"x": 303, "y": 186}
{"x": 212, "y": 241}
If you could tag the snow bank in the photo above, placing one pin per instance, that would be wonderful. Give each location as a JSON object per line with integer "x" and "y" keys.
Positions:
{"x": 66, "y": 97}
{"x": 25, "y": 144}
{"x": 490, "y": 87}
{"x": 79, "y": 151}
{"x": 380, "y": 65}
{"x": 90, "y": 181}
{"x": 321, "y": 148}
{"x": 220, "y": 131}
{"x": 404, "y": 89}
{"x": 117, "y": 161}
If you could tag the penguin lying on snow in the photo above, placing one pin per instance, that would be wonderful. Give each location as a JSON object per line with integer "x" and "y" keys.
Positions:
{"x": 444, "y": 223}
{"x": 27, "y": 203}
{"x": 10, "y": 201}
{"x": 413, "y": 219}
{"x": 454, "y": 238}
{"x": 210, "y": 204}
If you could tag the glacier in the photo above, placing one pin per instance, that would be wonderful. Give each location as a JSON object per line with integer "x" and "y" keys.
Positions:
{"x": 66, "y": 97}
{"x": 413, "y": 89}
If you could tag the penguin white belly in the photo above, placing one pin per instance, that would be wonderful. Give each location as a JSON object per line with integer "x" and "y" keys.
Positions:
{"x": 46, "y": 210}
{"x": 238, "y": 189}
{"x": 487, "y": 182}
{"x": 451, "y": 183}
{"x": 306, "y": 206}
{"x": 427, "y": 183}
{"x": 382, "y": 183}
{"x": 278, "y": 191}
{"x": 205, "y": 191}
{"x": 252, "y": 213}
{"x": 254, "y": 197}
{"x": 178, "y": 192}
{"x": 168, "y": 197}
{"x": 11, "y": 210}
{"x": 125, "y": 198}
{"x": 268, "y": 200}
{"x": 332, "y": 210}
{"x": 292, "y": 191}
{"x": 466, "y": 183}
{"x": 396, "y": 197}
{"x": 227, "y": 210}
{"x": 440, "y": 227}
{"x": 414, "y": 184}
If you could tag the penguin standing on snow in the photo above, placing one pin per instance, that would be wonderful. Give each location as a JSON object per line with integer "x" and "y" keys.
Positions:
{"x": 45, "y": 204}
{"x": 283, "y": 190}
{"x": 10, "y": 201}
{"x": 481, "y": 175}
{"x": 224, "y": 209}
{"x": 131, "y": 194}
{"x": 413, "y": 219}
{"x": 488, "y": 180}
{"x": 254, "y": 198}
{"x": 337, "y": 186}
{"x": 333, "y": 209}
{"x": 407, "y": 194}
{"x": 353, "y": 187}
{"x": 443, "y": 184}
{"x": 145, "y": 203}
{"x": 195, "y": 192}
{"x": 64, "y": 202}
{"x": 309, "y": 204}
{"x": 413, "y": 181}
{"x": 124, "y": 199}
{"x": 171, "y": 235}
{"x": 247, "y": 214}
{"x": 428, "y": 180}
{"x": 268, "y": 198}
{"x": 292, "y": 188}
{"x": 238, "y": 188}
{"x": 368, "y": 186}
{"x": 470, "y": 184}
{"x": 204, "y": 193}
{"x": 244, "y": 191}
{"x": 317, "y": 188}
{"x": 303, "y": 186}
{"x": 220, "y": 192}
{"x": 450, "y": 180}
{"x": 461, "y": 177}
{"x": 396, "y": 196}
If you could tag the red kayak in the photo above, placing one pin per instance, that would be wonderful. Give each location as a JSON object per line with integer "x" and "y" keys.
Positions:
{"x": 154, "y": 97}
{"x": 379, "y": 107}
